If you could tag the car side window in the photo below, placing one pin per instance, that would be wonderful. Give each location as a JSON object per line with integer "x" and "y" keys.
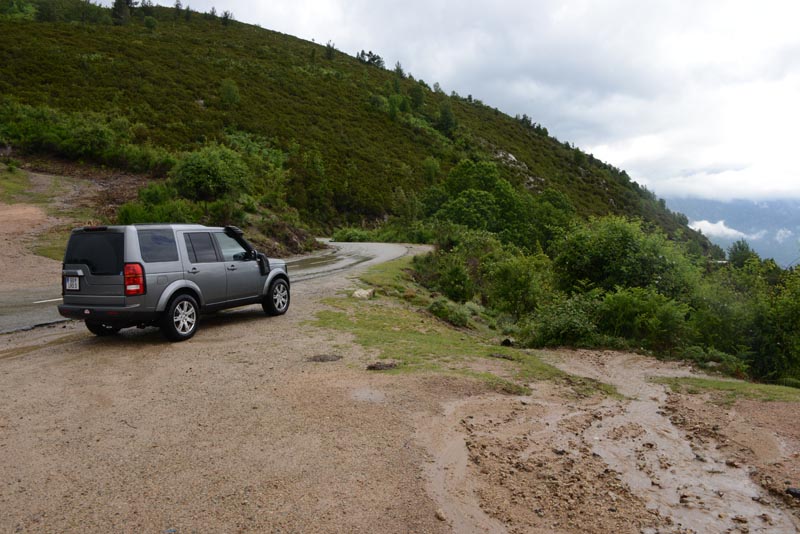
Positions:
{"x": 157, "y": 245}
{"x": 231, "y": 249}
{"x": 200, "y": 247}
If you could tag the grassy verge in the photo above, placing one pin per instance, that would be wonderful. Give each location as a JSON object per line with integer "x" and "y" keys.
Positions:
{"x": 16, "y": 187}
{"x": 397, "y": 327}
{"x": 732, "y": 390}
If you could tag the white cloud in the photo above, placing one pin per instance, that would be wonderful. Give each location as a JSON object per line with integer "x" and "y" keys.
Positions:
{"x": 720, "y": 230}
{"x": 783, "y": 234}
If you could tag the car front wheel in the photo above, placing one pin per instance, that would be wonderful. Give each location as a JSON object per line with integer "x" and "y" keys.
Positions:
{"x": 276, "y": 302}
{"x": 180, "y": 318}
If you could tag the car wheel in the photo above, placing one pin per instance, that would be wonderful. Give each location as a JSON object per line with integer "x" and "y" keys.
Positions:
{"x": 179, "y": 322}
{"x": 276, "y": 302}
{"x": 100, "y": 329}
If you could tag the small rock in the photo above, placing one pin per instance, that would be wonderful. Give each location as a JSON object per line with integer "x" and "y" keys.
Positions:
{"x": 440, "y": 515}
{"x": 363, "y": 294}
{"x": 501, "y": 356}
{"x": 325, "y": 358}
{"x": 507, "y": 342}
{"x": 381, "y": 366}
{"x": 740, "y": 519}
{"x": 794, "y": 492}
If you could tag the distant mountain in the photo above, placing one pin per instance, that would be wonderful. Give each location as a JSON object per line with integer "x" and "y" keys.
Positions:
{"x": 772, "y": 228}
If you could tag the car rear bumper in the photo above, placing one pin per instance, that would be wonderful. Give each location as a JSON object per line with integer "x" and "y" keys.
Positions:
{"x": 109, "y": 315}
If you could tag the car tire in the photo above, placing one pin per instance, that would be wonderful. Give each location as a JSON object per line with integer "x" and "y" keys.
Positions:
{"x": 181, "y": 318}
{"x": 100, "y": 329}
{"x": 276, "y": 301}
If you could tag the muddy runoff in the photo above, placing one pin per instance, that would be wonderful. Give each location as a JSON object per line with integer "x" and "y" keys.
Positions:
{"x": 555, "y": 462}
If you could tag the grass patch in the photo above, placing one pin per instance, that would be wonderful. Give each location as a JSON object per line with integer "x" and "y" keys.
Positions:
{"x": 406, "y": 333}
{"x": 733, "y": 390}
{"x": 52, "y": 243}
{"x": 392, "y": 278}
{"x": 15, "y": 187}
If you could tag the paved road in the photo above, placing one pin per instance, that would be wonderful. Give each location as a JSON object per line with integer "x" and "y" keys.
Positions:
{"x": 26, "y": 309}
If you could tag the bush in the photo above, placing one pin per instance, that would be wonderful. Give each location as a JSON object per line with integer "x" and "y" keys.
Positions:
{"x": 449, "y": 312}
{"x": 210, "y": 173}
{"x": 644, "y": 316}
{"x": 564, "y": 321}
{"x": 352, "y": 235}
{"x": 518, "y": 284}
{"x": 177, "y": 211}
{"x": 454, "y": 280}
{"x": 612, "y": 252}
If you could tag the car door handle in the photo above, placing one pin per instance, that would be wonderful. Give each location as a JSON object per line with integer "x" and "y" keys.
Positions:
{"x": 231, "y": 267}
{"x": 193, "y": 270}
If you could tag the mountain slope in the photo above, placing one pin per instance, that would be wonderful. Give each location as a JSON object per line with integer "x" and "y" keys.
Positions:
{"x": 358, "y": 137}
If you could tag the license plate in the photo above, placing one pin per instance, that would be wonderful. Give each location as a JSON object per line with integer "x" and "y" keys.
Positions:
{"x": 72, "y": 283}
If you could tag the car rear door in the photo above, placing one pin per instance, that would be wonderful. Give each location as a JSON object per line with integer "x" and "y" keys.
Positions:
{"x": 205, "y": 267}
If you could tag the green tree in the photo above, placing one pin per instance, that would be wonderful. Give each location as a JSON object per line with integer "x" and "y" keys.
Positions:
{"x": 17, "y": 9}
{"x": 739, "y": 253}
{"x": 472, "y": 208}
{"x": 330, "y": 50}
{"x": 229, "y": 93}
{"x": 417, "y": 95}
{"x": 150, "y": 23}
{"x": 120, "y": 12}
{"x": 446, "y": 120}
{"x": 398, "y": 70}
{"x": 611, "y": 252}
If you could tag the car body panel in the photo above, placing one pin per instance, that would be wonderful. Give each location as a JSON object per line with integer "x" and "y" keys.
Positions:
{"x": 216, "y": 265}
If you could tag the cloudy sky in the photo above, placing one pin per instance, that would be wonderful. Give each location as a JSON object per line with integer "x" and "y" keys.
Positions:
{"x": 696, "y": 98}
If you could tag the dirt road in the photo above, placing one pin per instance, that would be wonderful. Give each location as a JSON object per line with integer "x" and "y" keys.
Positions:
{"x": 239, "y": 430}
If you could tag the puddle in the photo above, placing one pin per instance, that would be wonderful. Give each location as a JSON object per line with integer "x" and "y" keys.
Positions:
{"x": 369, "y": 395}
{"x": 687, "y": 481}
{"x": 447, "y": 473}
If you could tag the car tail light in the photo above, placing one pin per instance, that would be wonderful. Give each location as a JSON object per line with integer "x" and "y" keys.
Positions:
{"x": 134, "y": 279}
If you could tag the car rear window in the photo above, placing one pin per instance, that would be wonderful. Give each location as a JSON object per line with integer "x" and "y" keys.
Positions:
{"x": 101, "y": 252}
{"x": 158, "y": 245}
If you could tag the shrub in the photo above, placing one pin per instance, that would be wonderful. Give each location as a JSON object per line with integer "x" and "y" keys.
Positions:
{"x": 517, "y": 284}
{"x": 454, "y": 280}
{"x": 352, "y": 235}
{"x": 177, "y": 210}
{"x": 449, "y": 312}
{"x": 644, "y": 316}
{"x": 612, "y": 252}
{"x": 564, "y": 321}
{"x": 210, "y": 173}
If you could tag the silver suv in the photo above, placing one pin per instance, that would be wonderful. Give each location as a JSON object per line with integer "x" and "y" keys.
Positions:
{"x": 165, "y": 275}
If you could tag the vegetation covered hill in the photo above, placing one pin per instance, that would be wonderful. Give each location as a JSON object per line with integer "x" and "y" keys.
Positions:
{"x": 136, "y": 89}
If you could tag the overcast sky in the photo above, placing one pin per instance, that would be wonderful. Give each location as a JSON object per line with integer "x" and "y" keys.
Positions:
{"x": 692, "y": 97}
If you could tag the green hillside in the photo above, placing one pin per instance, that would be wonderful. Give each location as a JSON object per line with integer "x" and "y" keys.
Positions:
{"x": 357, "y": 140}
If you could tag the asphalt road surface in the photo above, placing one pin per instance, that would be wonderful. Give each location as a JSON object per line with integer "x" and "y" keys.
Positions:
{"x": 23, "y": 309}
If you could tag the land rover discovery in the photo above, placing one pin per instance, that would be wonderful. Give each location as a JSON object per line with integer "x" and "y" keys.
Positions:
{"x": 165, "y": 275}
